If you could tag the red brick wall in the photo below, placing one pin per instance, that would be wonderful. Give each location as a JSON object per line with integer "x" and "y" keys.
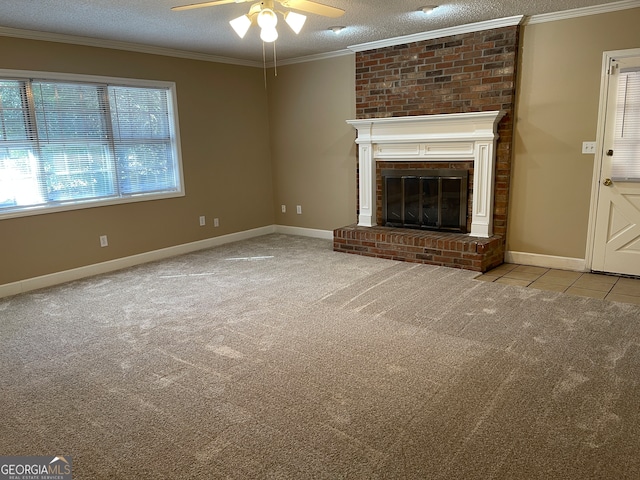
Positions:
{"x": 464, "y": 73}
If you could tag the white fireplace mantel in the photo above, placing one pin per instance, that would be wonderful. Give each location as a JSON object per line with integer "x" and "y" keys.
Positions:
{"x": 449, "y": 138}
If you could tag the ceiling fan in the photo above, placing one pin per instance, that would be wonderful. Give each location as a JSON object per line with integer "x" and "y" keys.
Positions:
{"x": 264, "y": 14}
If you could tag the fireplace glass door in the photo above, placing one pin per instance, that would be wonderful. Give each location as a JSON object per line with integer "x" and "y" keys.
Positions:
{"x": 429, "y": 199}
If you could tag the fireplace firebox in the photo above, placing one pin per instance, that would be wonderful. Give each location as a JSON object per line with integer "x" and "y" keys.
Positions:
{"x": 428, "y": 199}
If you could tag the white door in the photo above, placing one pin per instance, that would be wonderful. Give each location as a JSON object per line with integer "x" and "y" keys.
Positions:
{"x": 617, "y": 229}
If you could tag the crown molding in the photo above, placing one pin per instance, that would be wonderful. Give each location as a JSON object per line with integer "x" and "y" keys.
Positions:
{"x": 117, "y": 45}
{"x": 582, "y": 12}
{"x": 169, "y": 52}
{"x": 312, "y": 58}
{"x": 444, "y": 32}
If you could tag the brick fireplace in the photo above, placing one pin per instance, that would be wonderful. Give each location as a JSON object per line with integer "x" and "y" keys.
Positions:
{"x": 439, "y": 103}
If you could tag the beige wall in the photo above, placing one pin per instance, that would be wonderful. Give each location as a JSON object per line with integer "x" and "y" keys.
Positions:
{"x": 225, "y": 152}
{"x": 556, "y": 110}
{"x": 313, "y": 149}
{"x": 290, "y": 145}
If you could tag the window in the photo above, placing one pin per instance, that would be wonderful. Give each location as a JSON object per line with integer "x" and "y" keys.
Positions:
{"x": 84, "y": 141}
{"x": 626, "y": 143}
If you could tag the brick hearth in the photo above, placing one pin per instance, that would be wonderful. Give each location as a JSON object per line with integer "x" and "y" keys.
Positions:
{"x": 419, "y": 246}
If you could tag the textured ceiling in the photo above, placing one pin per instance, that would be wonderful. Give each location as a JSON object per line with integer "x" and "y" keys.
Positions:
{"x": 207, "y": 31}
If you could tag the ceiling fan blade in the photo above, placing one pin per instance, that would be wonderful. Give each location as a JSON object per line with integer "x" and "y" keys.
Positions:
{"x": 205, "y": 4}
{"x": 313, "y": 7}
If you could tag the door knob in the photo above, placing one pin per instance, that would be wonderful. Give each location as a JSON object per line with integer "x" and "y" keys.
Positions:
{"x": 609, "y": 153}
{"x": 607, "y": 182}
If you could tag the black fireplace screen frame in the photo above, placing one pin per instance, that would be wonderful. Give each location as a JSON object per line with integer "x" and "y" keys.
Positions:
{"x": 426, "y": 199}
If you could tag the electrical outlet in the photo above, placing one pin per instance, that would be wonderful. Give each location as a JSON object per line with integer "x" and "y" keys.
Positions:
{"x": 203, "y": 221}
{"x": 283, "y": 208}
{"x": 589, "y": 147}
{"x": 299, "y": 209}
{"x": 216, "y": 222}
{"x": 104, "y": 242}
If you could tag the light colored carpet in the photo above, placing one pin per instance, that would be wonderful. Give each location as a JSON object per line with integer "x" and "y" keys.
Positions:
{"x": 279, "y": 358}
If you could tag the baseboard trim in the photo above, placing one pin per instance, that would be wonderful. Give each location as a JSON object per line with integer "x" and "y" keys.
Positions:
{"x": 546, "y": 261}
{"x": 52, "y": 279}
{"x": 305, "y": 232}
{"x": 22, "y": 286}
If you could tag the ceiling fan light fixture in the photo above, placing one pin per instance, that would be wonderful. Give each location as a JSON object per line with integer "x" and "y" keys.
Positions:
{"x": 241, "y": 25}
{"x": 428, "y": 9}
{"x": 295, "y": 21}
{"x": 269, "y": 34}
{"x": 267, "y": 18}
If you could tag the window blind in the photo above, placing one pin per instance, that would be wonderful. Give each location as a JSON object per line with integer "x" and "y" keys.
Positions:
{"x": 19, "y": 169}
{"x": 142, "y": 139}
{"x": 626, "y": 144}
{"x": 73, "y": 142}
{"x": 68, "y": 143}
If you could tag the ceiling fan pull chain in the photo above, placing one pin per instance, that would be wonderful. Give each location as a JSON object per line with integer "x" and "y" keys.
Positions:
{"x": 264, "y": 66}
{"x": 275, "y": 61}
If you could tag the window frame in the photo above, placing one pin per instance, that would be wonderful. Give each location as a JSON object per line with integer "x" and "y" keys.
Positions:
{"x": 174, "y": 132}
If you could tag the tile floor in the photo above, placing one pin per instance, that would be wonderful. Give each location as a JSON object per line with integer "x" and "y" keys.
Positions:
{"x": 605, "y": 287}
